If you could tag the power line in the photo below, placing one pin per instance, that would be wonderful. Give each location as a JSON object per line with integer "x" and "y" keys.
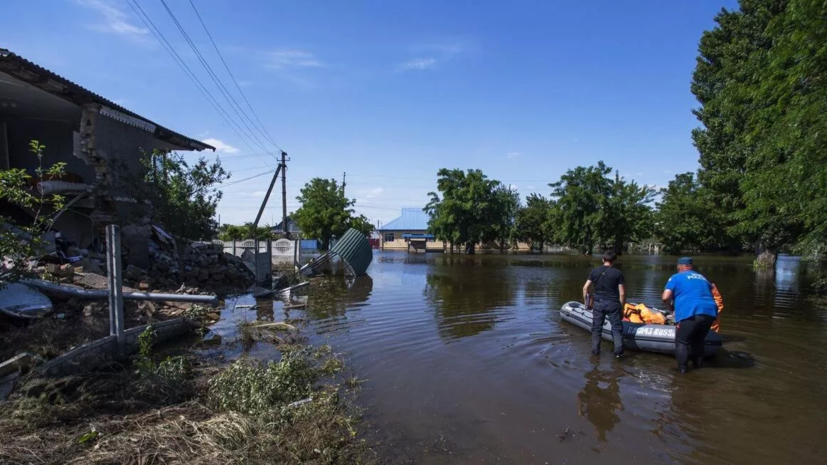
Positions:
{"x": 266, "y": 133}
{"x": 139, "y": 11}
{"x": 221, "y": 88}
{"x": 247, "y": 179}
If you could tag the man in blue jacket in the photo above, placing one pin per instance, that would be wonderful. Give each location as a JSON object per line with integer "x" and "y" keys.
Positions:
{"x": 689, "y": 295}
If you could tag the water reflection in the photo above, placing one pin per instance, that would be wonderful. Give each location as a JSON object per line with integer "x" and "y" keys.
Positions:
{"x": 465, "y": 304}
{"x": 332, "y": 297}
{"x": 599, "y": 400}
{"x": 512, "y": 382}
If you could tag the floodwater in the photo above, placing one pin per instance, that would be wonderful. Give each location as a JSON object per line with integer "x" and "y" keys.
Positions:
{"x": 467, "y": 361}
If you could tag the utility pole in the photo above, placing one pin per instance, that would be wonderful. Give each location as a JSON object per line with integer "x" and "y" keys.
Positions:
{"x": 344, "y": 178}
{"x": 284, "y": 191}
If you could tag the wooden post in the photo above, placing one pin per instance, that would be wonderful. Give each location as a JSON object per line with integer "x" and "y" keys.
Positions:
{"x": 113, "y": 263}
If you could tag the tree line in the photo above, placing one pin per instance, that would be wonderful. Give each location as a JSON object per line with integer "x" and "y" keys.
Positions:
{"x": 587, "y": 208}
{"x": 761, "y": 81}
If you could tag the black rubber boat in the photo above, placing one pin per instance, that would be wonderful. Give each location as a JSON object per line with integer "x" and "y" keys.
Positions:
{"x": 650, "y": 338}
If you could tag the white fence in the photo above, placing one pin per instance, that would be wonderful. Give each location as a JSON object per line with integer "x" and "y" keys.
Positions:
{"x": 281, "y": 250}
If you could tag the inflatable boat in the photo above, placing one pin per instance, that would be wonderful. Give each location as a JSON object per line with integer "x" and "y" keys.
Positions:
{"x": 646, "y": 337}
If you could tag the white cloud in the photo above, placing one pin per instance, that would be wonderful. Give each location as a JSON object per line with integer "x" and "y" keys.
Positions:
{"x": 530, "y": 187}
{"x": 251, "y": 194}
{"x": 512, "y": 154}
{"x": 638, "y": 174}
{"x": 667, "y": 171}
{"x": 221, "y": 146}
{"x": 116, "y": 21}
{"x": 292, "y": 58}
{"x": 373, "y": 193}
{"x": 417, "y": 64}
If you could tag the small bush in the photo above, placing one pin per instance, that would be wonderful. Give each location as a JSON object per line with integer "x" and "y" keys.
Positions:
{"x": 166, "y": 380}
{"x": 256, "y": 388}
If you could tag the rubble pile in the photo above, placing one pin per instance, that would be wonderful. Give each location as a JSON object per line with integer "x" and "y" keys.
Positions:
{"x": 206, "y": 266}
{"x": 207, "y": 270}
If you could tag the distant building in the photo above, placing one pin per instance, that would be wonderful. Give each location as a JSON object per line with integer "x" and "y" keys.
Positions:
{"x": 292, "y": 227}
{"x": 411, "y": 226}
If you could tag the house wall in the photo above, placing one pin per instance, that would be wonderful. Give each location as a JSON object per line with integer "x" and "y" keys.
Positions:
{"x": 121, "y": 145}
{"x": 399, "y": 243}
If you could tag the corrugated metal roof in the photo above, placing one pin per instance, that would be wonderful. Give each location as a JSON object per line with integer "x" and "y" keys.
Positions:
{"x": 355, "y": 249}
{"x": 59, "y": 86}
{"x": 412, "y": 219}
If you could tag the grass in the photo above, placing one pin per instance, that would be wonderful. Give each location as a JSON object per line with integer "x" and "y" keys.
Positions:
{"x": 244, "y": 412}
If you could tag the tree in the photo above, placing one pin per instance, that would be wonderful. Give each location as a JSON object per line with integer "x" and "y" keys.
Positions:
{"x": 507, "y": 202}
{"x": 688, "y": 219}
{"x": 183, "y": 198}
{"x": 361, "y": 224}
{"x": 531, "y": 223}
{"x": 578, "y": 196}
{"x": 468, "y": 212}
{"x": 230, "y": 232}
{"x": 625, "y": 214}
{"x": 787, "y": 172}
{"x": 760, "y": 81}
{"x": 325, "y": 212}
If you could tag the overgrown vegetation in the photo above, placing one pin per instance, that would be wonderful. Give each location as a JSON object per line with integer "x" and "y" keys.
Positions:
{"x": 280, "y": 412}
{"x": 22, "y": 239}
{"x": 183, "y": 198}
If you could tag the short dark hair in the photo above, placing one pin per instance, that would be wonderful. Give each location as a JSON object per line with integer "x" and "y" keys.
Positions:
{"x": 609, "y": 256}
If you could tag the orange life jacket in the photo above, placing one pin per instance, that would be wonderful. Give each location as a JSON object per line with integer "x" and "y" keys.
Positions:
{"x": 716, "y": 325}
{"x": 640, "y": 313}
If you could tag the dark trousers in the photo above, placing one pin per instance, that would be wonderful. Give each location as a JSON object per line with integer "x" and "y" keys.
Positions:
{"x": 689, "y": 338}
{"x": 607, "y": 309}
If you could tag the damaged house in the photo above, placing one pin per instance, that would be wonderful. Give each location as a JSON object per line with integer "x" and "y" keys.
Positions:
{"x": 100, "y": 142}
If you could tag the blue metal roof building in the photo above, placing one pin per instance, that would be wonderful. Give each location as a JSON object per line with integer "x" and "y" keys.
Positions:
{"x": 412, "y": 219}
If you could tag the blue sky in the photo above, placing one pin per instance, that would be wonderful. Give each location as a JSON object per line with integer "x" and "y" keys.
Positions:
{"x": 391, "y": 91}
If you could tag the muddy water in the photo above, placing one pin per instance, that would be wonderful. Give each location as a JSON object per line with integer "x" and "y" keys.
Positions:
{"x": 467, "y": 362}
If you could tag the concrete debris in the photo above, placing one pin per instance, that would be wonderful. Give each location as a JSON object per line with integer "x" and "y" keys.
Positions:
{"x": 20, "y": 363}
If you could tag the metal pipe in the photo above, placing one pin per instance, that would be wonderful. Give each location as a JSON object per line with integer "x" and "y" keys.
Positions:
{"x": 115, "y": 292}
{"x": 294, "y": 287}
{"x": 103, "y": 294}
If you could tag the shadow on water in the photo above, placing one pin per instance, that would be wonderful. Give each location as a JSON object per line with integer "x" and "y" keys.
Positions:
{"x": 599, "y": 400}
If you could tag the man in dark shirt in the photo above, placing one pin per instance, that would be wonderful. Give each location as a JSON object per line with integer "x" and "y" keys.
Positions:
{"x": 609, "y": 299}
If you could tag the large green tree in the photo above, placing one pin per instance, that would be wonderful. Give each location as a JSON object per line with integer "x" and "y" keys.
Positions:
{"x": 467, "y": 209}
{"x": 325, "y": 212}
{"x": 531, "y": 222}
{"x": 760, "y": 79}
{"x": 183, "y": 197}
{"x": 625, "y": 214}
{"x": 687, "y": 218}
{"x": 507, "y": 202}
{"x": 578, "y": 197}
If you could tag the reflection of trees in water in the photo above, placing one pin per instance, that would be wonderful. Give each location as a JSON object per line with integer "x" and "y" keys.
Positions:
{"x": 599, "y": 401}
{"x": 331, "y": 297}
{"x": 465, "y": 300}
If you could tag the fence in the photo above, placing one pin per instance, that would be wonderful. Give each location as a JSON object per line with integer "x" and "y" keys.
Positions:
{"x": 281, "y": 251}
